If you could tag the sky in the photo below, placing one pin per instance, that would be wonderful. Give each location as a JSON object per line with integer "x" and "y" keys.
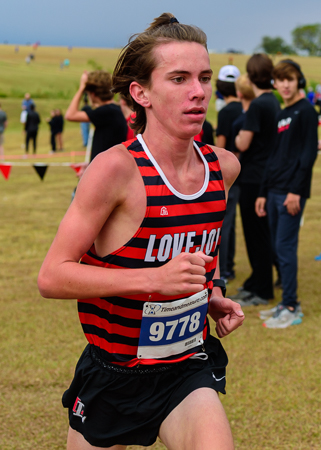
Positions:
{"x": 229, "y": 24}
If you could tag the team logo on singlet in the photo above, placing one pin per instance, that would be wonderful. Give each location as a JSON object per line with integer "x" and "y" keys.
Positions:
{"x": 284, "y": 124}
{"x": 164, "y": 211}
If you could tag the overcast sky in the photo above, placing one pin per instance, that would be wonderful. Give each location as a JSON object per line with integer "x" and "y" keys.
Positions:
{"x": 237, "y": 24}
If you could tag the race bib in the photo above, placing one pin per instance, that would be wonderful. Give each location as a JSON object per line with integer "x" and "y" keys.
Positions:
{"x": 171, "y": 328}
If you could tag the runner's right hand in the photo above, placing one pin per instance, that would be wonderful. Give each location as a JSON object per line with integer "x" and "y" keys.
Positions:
{"x": 182, "y": 275}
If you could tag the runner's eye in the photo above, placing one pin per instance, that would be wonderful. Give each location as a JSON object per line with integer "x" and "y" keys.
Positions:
{"x": 178, "y": 79}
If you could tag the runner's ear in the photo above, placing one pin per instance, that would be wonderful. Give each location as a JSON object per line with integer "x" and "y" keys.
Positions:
{"x": 139, "y": 94}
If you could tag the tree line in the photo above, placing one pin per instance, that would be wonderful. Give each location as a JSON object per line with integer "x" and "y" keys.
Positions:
{"x": 306, "y": 38}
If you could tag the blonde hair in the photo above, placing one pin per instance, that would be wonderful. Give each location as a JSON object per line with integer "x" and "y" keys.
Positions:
{"x": 137, "y": 61}
{"x": 243, "y": 86}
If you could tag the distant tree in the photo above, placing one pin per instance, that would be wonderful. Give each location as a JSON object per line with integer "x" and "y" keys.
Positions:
{"x": 275, "y": 45}
{"x": 308, "y": 38}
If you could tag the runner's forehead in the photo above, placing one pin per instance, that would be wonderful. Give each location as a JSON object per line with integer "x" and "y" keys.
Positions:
{"x": 182, "y": 56}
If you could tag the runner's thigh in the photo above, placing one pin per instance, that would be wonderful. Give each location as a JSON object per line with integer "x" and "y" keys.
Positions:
{"x": 199, "y": 422}
{"x": 76, "y": 441}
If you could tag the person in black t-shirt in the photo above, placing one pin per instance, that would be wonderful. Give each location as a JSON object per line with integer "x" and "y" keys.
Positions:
{"x": 107, "y": 117}
{"x": 245, "y": 93}
{"x": 206, "y": 135}
{"x": 286, "y": 186}
{"x": 225, "y": 84}
{"x": 256, "y": 141}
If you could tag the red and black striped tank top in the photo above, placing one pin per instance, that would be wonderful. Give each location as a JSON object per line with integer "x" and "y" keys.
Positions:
{"x": 173, "y": 223}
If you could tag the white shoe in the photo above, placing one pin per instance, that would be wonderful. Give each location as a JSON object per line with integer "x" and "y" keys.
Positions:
{"x": 283, "y": 318}
{"x": 265, "y": 314}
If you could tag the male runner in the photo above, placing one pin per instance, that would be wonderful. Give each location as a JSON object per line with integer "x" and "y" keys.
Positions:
{"x": 145, "y": 223}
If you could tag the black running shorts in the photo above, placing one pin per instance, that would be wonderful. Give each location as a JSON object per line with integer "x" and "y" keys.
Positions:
{"x": 110, "y": 404}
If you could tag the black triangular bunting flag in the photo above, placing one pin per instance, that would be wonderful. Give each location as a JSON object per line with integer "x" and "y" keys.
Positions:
{"x": 41, "y": 170}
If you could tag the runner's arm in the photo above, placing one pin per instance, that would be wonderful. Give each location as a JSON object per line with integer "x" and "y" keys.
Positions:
{"x": 227, "y": 314}
{"x": 61, "y": 275}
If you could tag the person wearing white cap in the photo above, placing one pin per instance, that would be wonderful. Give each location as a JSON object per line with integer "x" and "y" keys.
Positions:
{"x": 229, "y": 73}
{"x": 225, "y": 84}
{"x": 256, "y": 141}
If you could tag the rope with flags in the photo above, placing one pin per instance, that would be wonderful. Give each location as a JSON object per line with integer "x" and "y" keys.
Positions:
{"x": 39, "y": 167}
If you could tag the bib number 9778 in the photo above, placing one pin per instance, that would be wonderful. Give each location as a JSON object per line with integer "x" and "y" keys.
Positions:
{"x": 159, "y": 329}
{"x": 172, "y": 328}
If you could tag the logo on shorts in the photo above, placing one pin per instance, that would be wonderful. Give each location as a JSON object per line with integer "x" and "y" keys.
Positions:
{"x": 217, "y": 379}
{"x": 152, "y": 309}
{"x": 164, "y": 211}
{"x": 79, "y": 409}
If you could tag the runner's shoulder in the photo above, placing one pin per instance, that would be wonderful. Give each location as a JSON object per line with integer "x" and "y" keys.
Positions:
{"x": 115, "y": 162}
{"x": 229, "y": 163}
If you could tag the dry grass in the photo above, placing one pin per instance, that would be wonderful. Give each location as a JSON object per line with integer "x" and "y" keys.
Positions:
{"x": 274, "y": 377}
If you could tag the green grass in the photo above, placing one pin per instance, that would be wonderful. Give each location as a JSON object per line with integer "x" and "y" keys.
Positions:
{"x": 274, "y": 381}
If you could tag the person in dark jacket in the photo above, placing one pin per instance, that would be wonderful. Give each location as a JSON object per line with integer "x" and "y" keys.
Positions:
{"x": 60, "y": 128}
{"x": 31, "y": 127}
{"x": 52, "y": 122}
{"x": 286, "y": 186}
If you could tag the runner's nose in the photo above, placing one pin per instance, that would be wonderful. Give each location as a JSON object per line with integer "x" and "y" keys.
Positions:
{"x": 197, "y": 90}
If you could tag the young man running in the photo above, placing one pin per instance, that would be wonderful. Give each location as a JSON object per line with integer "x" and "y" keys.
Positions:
{"x": 145, "y": 222}
{"x": 286, "y": 186}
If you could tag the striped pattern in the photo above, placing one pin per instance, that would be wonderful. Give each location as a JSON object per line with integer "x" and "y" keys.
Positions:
{"x": 171, "y": 225}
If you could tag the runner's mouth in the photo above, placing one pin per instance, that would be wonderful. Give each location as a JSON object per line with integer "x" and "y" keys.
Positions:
{"x": 195, "y": 111}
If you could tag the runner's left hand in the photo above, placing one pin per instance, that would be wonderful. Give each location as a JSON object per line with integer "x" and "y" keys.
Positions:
{"x": 227, "y": 314}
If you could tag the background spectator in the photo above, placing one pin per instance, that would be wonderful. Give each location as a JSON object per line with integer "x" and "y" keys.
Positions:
{"x": 60, "y": 128}
{"x": 286, "y": 186}
{"x": 3, "y": 125}
{"x": 27, "y": 102}
{"x": 225, "y": 85}
{"x": 31, "y": 127}
{"x": 85, "y": 126}
{"x": 318, "y": 96}
{"x": 207, "y": 134}
{"x": 128, "y": 114}
{"x": 107, "y": 117}
{"x": 53, "y": 129}
{"x": 255, "y": 141}
{"x": 311, "y": 95}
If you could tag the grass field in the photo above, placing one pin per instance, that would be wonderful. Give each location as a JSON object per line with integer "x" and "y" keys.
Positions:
{"x": 274, "y": 381}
